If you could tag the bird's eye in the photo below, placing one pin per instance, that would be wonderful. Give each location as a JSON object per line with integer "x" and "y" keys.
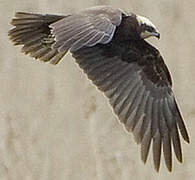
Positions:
{"x": 149, "y": 28}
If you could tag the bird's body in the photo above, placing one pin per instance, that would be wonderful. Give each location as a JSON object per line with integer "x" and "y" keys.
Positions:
{"x": 108, "y": 44}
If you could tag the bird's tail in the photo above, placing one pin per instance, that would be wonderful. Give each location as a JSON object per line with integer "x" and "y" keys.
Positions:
{"x": 33, "y": 32}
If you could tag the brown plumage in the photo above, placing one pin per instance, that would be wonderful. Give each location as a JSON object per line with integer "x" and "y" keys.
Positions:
{"x": 108, "y": 44}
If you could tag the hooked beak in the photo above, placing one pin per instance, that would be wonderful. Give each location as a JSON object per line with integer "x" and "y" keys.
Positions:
{"x": 147, "y": 34}
{"x": 156, "y": 34}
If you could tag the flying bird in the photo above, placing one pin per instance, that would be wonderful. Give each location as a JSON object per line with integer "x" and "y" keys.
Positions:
{"x": 109, "y": 45}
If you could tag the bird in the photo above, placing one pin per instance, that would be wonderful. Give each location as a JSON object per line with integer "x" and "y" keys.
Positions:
{"x": 110, "y": 46}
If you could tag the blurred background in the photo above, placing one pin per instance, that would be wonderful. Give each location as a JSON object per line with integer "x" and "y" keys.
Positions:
{"x": 55, "y": 125}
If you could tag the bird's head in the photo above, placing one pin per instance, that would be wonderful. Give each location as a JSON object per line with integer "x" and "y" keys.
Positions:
{"x": 147, "y": 28}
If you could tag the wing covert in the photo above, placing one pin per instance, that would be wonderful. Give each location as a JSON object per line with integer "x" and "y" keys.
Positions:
{"x": 86, "y": 29}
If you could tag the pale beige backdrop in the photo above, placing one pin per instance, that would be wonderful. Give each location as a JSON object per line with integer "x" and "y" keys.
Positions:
{"x": 54, "y": 125}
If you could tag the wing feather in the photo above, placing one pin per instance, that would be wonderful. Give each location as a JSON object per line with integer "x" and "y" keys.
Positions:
{"x": 157, "y": 143}
{"x": 122, "y": 89}
{"x": 99, "y": 23}
{"x": 33, "y": 32}
{"x": 72, "y": 32}
{"x": 165, "y": 133}
{"x": 140, "y": 118}
{"x": 176, "y": 143}
{"x": 111, "y": 81}
{"x": 115, "y": 98}
{"x": 136, "y": 101}
{"x": 66, "y": 42}
{"x": 123, "y": 110}
{"x": 141, "y": 97}
{"x": 129, "y": 116}
{"x": 145, "y": 144}
{"x": 84, "y": 41}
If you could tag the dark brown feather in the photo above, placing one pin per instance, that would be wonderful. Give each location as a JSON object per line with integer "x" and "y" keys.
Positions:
{"x": 33, "y": 32}
{"x": 138, "y": 85}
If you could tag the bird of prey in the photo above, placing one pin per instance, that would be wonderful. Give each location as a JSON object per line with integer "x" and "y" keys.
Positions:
{"x": 109, "y": 45}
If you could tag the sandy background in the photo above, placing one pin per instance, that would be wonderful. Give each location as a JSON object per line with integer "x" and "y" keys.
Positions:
{"x": 54, "y": 125}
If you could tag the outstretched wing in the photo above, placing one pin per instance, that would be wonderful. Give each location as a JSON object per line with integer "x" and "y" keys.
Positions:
{"x": 33, "y": 33}
{"x": 87, "y": 28}
{"x": 139, "y": 90}
{"x": 49, "y": 37}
